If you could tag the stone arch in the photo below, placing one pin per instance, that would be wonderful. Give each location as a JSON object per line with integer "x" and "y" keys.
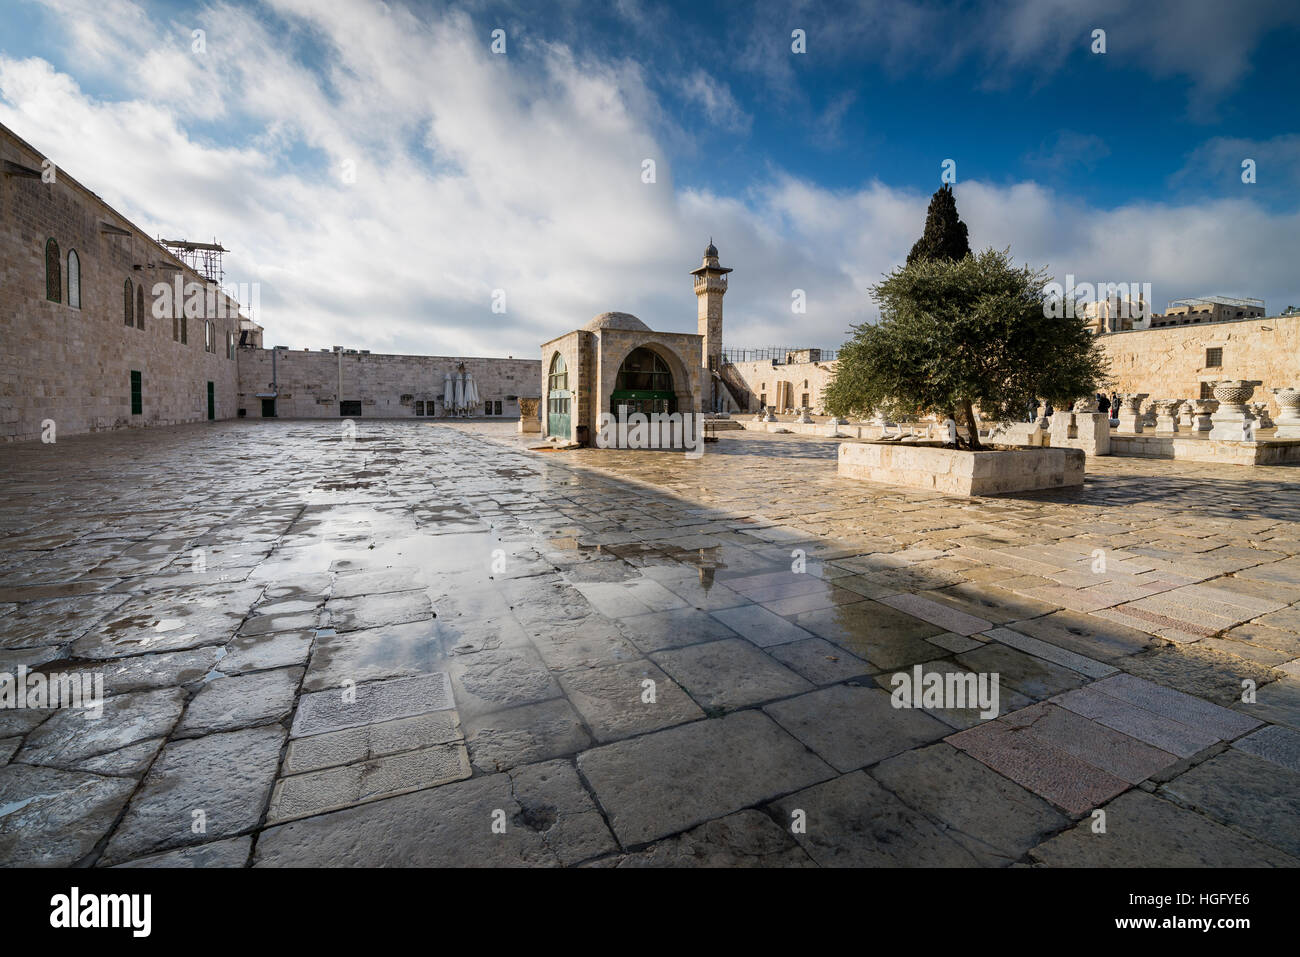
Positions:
{"x": 683, "y": 386}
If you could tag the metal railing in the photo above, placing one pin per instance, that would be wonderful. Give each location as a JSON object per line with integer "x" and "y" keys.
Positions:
{"x": 781, "y": 355}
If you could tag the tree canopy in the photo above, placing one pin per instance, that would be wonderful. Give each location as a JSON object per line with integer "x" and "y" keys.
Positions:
{"x": 955, "y": 334}
{"x": 945, "y": 234}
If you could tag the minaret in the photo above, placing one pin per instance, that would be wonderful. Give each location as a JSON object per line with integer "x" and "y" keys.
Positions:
{"x": 710, "y": 287}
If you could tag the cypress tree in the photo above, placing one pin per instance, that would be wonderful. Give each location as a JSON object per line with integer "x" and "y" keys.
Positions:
{"x": 945, "y": 234}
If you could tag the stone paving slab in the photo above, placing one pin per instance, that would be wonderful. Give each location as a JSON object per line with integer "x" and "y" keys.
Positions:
{"x": 304, "y": 795}
{"x": 1067, "y": 781}
{"x": 54, "y": 818}
{"x": 615, "y": 701}
{"x": 227, "y": 777}
{"x": 546, "y": 815}
{"x": 525, "y": 735}
{"x": 226, "y": 704}
{"x": 885, "y": 637}
{"x": 1246, "y": 792}
{"x": 1221, "y": 722}
{"x": 850, "y": 727}
{"x": 393, "y": 651}
{"x": 1125, "y": 757}
{"x": 673, "y": 629}
{"x": 852, "y": 821}
{"x": 743, "y": 839}
{"x": 936, "y": 613}
{"x": 368, "y": 741}
{"x": 1143, "y": 830}
{"x": 729, "y": 674}
{"x": 761, "y": 625}
{"x": 70, "y": 736}
{"x": 232, "y": 852}
{"x": 1031, "y": 676}
{"x": 1050, "y": 652}
{"x": 993, "y": 818}
{"x": 820, "y": 662}
{"x": 669, "y": 781}
{"x": 1160, "y": 732}
{"x": 1277, "y": 703}
{"x": 1274, "y": 742}
{"x": 371, "y": 702}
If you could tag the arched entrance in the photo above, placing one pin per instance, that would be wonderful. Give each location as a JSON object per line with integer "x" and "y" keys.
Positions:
{"x": 558, "y": 399}
{"x": 644, "y": 384}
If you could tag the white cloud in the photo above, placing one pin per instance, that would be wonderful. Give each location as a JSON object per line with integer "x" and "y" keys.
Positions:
{"x": 477, "y": 172}
{"x": 716, "y": 102}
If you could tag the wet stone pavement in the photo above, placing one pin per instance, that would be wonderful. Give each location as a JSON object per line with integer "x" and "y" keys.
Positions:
{"x": 432, "y": 646}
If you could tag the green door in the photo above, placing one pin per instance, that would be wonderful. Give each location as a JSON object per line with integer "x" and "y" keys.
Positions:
{"x": 212, "y": 402}
{"x": 137, "y": 394}
{"x": 268, "y": 408}
{"x": 557, "y": 414}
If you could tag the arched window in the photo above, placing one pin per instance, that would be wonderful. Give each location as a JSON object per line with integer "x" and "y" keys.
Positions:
{"x": 559, "y": 375}
{"x": 644, "y": 371}
{"x": 644, "y": 383}
{"x": 127, "y": 303}
{"x": 209, "y": 337}
{"x": 139, "y": 306}
{"x": 53, "y": 273}
{"x": 74, "y": 279}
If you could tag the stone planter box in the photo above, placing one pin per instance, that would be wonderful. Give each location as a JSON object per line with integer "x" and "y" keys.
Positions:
{"x": 955, "y": 472}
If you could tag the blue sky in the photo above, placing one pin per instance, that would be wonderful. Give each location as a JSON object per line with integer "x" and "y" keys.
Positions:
{"x": 477, "y": 172}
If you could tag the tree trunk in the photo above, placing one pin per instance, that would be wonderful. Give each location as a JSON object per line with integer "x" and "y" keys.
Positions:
{"x": 972, "y": 427}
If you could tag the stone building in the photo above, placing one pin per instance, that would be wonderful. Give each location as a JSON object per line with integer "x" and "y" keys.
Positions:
{"x": 616, "y": 361}
{"x": 795, "y": 379}
{"x": 1181, "y": 362}
{"x": 92, "y": 334}
{"x": 103, "y": 327}
{"x": 350, "y": 383}
{"x": 1184, "y": 312}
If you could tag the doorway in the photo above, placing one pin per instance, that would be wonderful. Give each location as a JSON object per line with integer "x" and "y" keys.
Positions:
{"x": 212, "y": 402}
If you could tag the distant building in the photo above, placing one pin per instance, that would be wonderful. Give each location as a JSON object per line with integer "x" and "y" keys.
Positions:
{"x": 93, "y": 336}
{"x": 1184, "y": 312}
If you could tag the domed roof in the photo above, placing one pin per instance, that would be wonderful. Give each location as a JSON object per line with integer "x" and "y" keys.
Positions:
{"x": 616, "y": 320}
{"x": 711, "y": 250}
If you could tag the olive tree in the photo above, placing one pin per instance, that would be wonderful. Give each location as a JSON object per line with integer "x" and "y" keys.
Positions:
{"x": 957, "y": 334}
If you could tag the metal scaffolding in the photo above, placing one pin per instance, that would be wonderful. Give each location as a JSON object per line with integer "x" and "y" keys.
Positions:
{"x": 203, "y": 258}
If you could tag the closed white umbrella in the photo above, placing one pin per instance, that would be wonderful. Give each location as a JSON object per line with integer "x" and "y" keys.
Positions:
{"x": 448, "y": 392}
{"x": 460, "y": 392}
{"x": 471, "y": 391}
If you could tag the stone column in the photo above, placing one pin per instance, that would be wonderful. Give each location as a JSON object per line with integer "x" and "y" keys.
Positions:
{"x": 1260, "y": 411}
{"x": 1166, "y": 415}
{"x": 1233, "y": 421}
{"x": 1288, "y": 420}
{"x": 1130, "y": 413}
{"x": 528, "y": 418}
{"x": 1202, "y": 409}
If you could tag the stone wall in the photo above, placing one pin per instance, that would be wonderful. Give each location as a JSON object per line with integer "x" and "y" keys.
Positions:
{"x": 762, "y": 378}
{"x": 73, "y": 365}
{"x": 388, "y": 386}
{"x": 1169, "y": 363}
